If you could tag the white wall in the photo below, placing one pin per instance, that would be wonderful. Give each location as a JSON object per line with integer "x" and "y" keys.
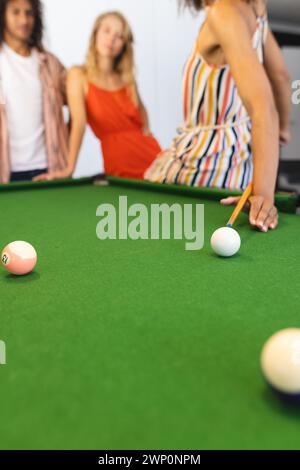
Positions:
{"x": 292, "y": 59}
{"x": 163, "y": 41}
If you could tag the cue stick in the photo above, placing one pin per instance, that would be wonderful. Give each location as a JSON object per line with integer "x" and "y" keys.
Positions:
{"x": 240, "y": 205}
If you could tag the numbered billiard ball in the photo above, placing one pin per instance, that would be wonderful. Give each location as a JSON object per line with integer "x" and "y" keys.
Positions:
{"x": 225, "y": 242}
{"x": 280, "y": 362}
{"x": 19, "y": 258}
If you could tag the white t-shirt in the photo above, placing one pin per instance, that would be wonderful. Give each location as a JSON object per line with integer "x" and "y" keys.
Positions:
{"x": 23, "y": 98}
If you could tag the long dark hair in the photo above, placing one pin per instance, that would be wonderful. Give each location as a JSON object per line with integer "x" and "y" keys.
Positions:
{"x": 193, "y": 4}
{"x": 36, "y": 38}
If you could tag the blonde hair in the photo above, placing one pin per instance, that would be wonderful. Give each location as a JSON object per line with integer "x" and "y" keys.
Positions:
{"x": 124, "y": 63}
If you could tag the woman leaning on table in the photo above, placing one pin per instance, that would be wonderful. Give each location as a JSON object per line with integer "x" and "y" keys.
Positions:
{"x": 236, "y": 107}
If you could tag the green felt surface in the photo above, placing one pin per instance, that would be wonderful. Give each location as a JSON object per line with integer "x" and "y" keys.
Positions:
{"x": 141, "y": 344}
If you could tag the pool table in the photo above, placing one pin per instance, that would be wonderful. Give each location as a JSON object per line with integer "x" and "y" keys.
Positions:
{"x": 123, "y": 344}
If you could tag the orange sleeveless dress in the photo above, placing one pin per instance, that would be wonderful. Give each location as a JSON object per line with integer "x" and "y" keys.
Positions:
{"x": 118, "y": 124}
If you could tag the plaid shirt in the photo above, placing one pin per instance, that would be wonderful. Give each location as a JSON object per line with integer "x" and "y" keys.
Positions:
{"x": 53, "y": 78}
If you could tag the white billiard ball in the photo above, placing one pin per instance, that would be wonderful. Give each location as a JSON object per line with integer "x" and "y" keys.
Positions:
{"x": 225, "y": 242}
{"x": 280, "y": 362}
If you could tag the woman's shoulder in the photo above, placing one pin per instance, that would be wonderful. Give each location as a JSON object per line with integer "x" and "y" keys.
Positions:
{"x": 77, "y": 74}
{"x": 77, "y": 78}
{"x": 78, "y": 71}
{"x": 231, "y": 11}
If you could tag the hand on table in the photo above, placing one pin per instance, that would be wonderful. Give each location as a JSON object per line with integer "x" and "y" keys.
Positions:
{"x": 54, "y": 175}
{"x": 263, "y": 214}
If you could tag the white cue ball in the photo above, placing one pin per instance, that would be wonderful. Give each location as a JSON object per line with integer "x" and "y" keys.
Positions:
{"x": 225, "y": 242}
{"x": 280, "y": 361}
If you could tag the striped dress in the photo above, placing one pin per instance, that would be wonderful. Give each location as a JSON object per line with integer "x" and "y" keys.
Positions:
{"x": 213, "y": 148}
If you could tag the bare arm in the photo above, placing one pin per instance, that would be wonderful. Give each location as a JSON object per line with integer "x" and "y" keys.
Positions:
{"x": 280, "y": 82}
{"x": 228, "y": 22}
{"x": 76, "y": 102}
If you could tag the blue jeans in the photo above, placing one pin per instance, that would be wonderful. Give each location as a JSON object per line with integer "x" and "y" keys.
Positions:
{"x": 18, "y": 176}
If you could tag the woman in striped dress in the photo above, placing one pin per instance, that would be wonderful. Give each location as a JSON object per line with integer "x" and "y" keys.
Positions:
{"x": 236, "y": 109}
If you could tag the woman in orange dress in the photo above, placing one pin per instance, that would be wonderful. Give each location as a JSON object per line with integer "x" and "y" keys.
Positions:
{"x": 103, "y": 93}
